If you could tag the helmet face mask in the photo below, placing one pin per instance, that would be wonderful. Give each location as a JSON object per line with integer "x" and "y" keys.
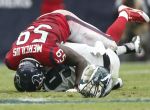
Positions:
{"x": 98, "y": 85}
{"x": 29, "y": 76}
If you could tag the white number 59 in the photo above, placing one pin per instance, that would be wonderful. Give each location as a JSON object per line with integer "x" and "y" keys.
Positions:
{"x": 36, "y": 30}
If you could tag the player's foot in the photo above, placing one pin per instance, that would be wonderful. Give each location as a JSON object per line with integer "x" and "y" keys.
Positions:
{"x": 134, "y": 45}
{"x": 137, "y": 44}
{"x": 118, "y": 84}
{"x": 134, "y": 15}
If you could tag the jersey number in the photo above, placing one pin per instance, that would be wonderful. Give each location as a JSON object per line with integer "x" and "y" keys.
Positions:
{"x": 54, "y": 77}
{"x": 36, "y": 30}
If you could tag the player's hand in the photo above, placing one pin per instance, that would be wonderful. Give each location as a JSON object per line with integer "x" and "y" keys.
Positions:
{"x": 72, "y": 90}
{"x": 98, "y": 49}
{"x": 112, "y": 45}
{"x": 88, "y": 71}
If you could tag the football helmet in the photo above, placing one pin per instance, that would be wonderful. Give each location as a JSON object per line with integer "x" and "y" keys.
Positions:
{"x": 99, "y": 84}
{"x": 29, "y": 75}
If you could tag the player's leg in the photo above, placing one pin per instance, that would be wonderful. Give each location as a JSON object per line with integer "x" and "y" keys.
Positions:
{"x": 131, "y": 47}
{"x": 83, "y": 32}
{"x": 125, "y": 14}
{"x": 114, "y": 69}
{"x": 107, "y": 58}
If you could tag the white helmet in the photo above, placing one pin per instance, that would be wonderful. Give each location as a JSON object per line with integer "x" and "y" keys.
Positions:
{"x": 96, "y": 81}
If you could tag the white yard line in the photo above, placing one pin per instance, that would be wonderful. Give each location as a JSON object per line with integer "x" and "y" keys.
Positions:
{"x": 52, "y": 101}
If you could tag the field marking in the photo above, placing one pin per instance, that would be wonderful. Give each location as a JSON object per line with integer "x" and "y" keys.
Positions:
{"x": 48, "y": 101}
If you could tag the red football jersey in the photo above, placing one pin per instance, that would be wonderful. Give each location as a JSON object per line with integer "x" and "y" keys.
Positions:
{"x": 39, "y": 41}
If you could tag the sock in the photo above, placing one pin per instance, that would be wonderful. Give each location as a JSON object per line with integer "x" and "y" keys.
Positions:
{"x": 117, "y": 28}
{"x": 123, "y": 14}
{"x": 121, "y": 50}
{"x": 125, "y": 49}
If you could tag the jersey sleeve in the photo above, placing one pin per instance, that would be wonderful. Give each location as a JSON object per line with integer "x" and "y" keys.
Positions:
{"x": 57, "y": 55}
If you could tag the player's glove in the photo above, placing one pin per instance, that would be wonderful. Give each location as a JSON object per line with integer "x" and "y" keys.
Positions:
{"x": 72, "y": 90}
{"x": 98, "y": 49}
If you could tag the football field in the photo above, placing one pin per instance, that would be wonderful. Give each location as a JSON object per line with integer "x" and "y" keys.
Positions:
{"x": 134, "y": 95}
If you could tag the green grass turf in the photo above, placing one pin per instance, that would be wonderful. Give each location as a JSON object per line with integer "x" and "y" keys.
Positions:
{"x": 97, "y": 106}
{"x": 136, "y": 78}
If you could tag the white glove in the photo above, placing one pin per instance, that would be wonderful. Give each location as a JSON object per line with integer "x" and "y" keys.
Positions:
{"x": 112, "y": 45}
{"x": 88, "y": 71}
{"x": 98, "y": 49}
{"x": 72, "y": 90}
{"x": 108, "y": 43}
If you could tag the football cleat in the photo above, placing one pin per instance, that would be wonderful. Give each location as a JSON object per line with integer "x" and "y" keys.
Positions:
{"x": 118, "y": 84}
{"x": 134, "y": 15}
{"x": 137, "y": 44}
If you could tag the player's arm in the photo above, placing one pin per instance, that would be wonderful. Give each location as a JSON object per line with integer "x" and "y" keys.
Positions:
{"x": 74, "y": 59}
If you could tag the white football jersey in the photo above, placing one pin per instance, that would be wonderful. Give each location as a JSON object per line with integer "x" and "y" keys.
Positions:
{"x": 86, "y": 51}
{"x": 101, "y": 57}
{"x": 60, "y": 78}
{"x": 56, "y": 78}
